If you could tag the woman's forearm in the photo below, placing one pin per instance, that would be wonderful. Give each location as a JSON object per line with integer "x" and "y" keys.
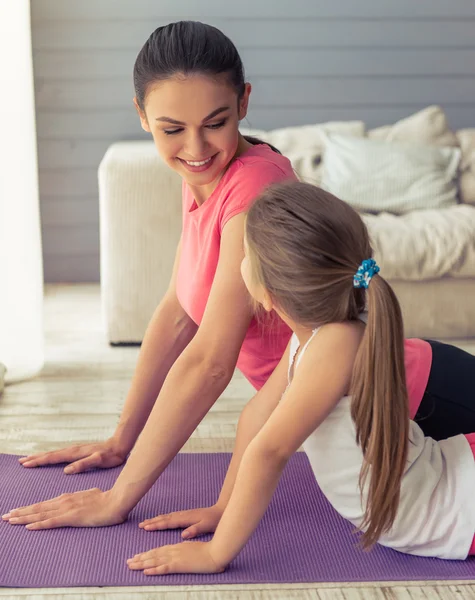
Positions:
{"x": 168, "y": 334}
{"x": 190, "y": 389}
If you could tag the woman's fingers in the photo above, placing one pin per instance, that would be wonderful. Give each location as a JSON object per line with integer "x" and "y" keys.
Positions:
{"x": 88, "y": 508}
{"x": 34, "y": 518}
{"x": 52, "y": 523}
{"x": 195, "y": 530}
{"x": 39, "y": 507}
{"x": 103, "y": 455}
{"x": 53, "y": 458}
{"x": 90, "y": 462}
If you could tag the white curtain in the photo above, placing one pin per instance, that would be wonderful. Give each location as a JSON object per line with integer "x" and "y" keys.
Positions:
{"x": 21, "y": 268}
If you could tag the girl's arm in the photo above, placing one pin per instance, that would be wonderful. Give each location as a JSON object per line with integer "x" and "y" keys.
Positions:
{"x": 197, "y": 378}
{"x": 321, "y": 380}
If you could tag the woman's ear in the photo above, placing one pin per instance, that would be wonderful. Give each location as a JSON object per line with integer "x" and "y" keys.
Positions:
{"x": 244, "y": 101}
{"x": 142, "y": 116}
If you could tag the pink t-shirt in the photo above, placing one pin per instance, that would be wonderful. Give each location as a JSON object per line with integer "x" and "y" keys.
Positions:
{"x": 247, "y": 176}
{"x": 418, "y": 361}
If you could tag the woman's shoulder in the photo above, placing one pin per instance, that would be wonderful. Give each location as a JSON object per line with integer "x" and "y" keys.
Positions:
{"x": 256, "y": 168}
{"x": 248, "y": 176}
{"x": 262, "y": 156}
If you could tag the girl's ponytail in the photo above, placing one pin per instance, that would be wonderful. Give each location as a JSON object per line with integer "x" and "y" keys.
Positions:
{"x": 380, "y": 409}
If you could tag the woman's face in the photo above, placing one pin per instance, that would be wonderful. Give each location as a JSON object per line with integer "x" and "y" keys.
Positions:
{"x": 194, "y": 123}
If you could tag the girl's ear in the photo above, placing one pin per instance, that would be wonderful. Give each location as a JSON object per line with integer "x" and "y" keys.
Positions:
{"x": 143, "y": 118}
{"x": 267, "y": 302}
{"x": 244, "y": 102}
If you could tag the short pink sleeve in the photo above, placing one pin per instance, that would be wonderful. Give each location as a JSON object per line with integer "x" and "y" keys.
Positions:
{"x": 246, "y": 185}
{"x": 244, "y": 180}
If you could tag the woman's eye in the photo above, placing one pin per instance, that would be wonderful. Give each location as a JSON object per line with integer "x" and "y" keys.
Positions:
{"x": 217, "y": 125}
{"x": 180, "y": 129}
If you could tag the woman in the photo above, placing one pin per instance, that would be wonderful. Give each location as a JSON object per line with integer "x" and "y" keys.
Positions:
{"x": 191, "y": 96}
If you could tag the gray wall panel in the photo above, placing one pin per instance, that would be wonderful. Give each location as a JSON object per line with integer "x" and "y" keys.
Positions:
{"x": 309, "y": 61}
{"x": 258, "y": 9}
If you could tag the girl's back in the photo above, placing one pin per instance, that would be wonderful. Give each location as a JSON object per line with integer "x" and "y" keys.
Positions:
{"x": 435, "y": 515}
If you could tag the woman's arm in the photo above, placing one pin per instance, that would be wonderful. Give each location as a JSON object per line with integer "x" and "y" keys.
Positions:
{"x": 197, "y": 377}
{"x": 254, "y": 416}
{"x": 195, "y": 381}
{"x": 169, "y": 332}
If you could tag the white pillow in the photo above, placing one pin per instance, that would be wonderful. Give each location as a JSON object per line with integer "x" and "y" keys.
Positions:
{"x": 428, "y": 126}
{"x": 375, "y": 176}
{"x": 303, "y": 145}
{"x": 290, "y": 140}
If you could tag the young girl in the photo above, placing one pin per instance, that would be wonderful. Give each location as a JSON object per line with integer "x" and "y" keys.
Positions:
{"x": 308, "y": 257}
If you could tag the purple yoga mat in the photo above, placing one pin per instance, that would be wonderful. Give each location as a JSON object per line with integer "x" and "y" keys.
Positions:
{"x": 300, "y": 539}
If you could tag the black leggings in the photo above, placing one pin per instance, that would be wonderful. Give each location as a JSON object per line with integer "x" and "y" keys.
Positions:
{"x": 448, "y": 405}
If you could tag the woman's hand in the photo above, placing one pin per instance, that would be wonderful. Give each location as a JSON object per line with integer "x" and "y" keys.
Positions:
{"x": 197, "y": 521}
{"x": 90, "y": 508}
{"x": 100, "y": 455}
{"x": 187, "y": 557}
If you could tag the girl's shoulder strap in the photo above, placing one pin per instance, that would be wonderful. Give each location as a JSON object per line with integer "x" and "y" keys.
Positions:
{"x": 314, "y": 333}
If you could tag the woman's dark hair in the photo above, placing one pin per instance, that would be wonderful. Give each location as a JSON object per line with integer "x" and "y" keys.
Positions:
{"x": 188, "y": 47}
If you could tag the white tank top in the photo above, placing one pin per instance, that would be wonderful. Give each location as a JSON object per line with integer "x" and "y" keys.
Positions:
{"x": 436, "y": 515}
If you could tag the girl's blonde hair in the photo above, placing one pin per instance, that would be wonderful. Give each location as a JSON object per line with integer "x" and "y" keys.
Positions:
{"x": 305, "y": 245}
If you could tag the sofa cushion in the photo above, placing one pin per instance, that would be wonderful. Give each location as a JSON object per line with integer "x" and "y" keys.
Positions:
{"x": 425, "y": 244}
{"x": 428, "y": 126}
{"x": 466, "y": 139}
{"x": 140, "y": 226}
{"x": 375, "y": 176}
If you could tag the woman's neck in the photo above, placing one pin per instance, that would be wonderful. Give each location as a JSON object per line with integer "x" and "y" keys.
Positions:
{"x": 202, "y": 193}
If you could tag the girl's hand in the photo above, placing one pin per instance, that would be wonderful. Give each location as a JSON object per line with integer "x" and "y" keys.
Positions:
{"x": 197, "y": 521}
{"x": 100, "y": 455}
{"x": 187, "y": 557}
{"x": 90, "y": 508}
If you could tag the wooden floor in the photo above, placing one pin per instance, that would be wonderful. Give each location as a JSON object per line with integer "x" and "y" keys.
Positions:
{"x": 78, "y": 397}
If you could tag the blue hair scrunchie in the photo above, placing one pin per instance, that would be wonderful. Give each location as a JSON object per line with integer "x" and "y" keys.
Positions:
{"x": 365, "y": 273}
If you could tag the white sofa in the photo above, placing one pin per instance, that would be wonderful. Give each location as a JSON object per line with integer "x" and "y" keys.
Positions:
{"x": 427, "y": 255}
